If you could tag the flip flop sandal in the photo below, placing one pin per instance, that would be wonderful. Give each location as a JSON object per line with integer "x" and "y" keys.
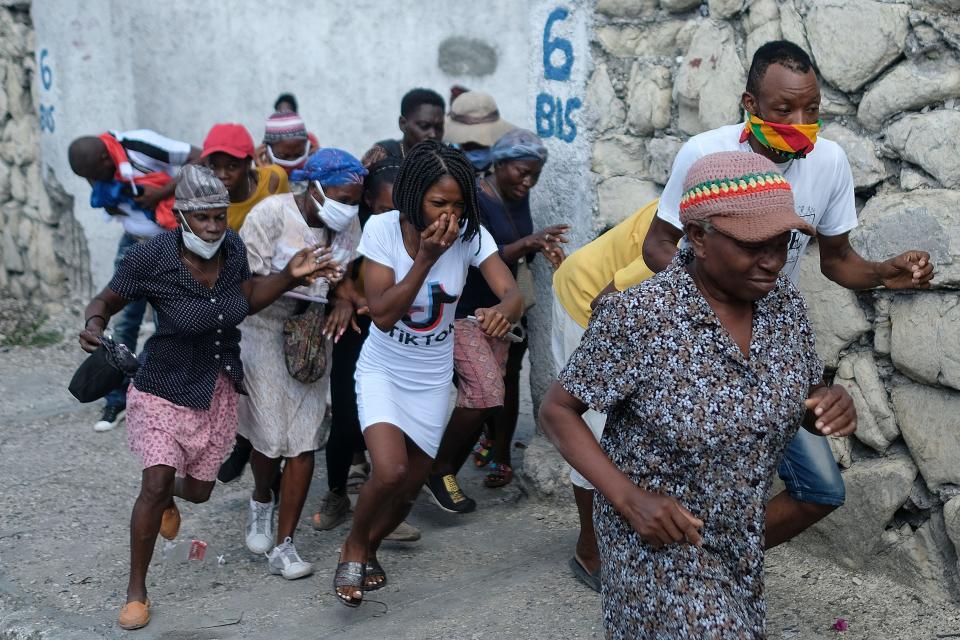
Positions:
{"x": 374, "y": 570}
{"x": 591, "y": 580}
{"x": 482, "y": 452}
{"x": 500, "y": 476}
{"x": 349, "y": 574}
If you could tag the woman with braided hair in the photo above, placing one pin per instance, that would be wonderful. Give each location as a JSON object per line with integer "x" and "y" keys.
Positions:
{"x": 416, "y": 262}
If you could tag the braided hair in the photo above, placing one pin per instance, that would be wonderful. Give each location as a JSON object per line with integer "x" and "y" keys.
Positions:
{"x": 424, "y": 165}
{"x": 381, "y": 173}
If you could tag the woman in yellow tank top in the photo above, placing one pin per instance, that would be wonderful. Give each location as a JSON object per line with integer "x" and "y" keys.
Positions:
{"x": 228, "y": 150}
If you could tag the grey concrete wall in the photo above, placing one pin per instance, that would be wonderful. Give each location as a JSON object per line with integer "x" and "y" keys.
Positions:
{"x": 564, "y": 119}
{"x": 178, "y": 66}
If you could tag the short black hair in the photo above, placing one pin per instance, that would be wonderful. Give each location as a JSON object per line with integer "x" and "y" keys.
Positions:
{"x": 416, "y": 97}
{"x": 782, "y": 52}
{"x": 288, "y": 98}
{"x": 426, "y": 163}
{"x": 381, "y": 173}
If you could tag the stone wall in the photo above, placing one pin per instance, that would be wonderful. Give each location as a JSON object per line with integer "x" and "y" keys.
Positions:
{"x": 42, "y": 250}
{"x": 890, "y": 73}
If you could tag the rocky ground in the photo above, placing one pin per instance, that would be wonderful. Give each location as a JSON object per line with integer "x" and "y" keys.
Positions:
{"x": 66, "y": 492}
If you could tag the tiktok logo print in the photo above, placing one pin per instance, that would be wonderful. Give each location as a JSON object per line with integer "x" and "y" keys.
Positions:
{"x": 436, "y": 298}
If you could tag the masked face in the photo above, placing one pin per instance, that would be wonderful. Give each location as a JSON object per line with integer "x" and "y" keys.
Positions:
{"x": 789, "y": 140}
{"x": 784, "y": 112}
{"x": 211, "y": 223}
{"x": 336, "y": 215}
{"x": 289, "y": 154}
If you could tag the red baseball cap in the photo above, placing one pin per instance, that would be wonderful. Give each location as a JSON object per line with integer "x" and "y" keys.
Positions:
{"x": 229, "y": 138}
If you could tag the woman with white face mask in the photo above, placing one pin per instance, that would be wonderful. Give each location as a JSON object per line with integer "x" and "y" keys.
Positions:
{"x": 182, "y": 404}
{"x": 282, "y": 417}
{"x": 286, "y": 142}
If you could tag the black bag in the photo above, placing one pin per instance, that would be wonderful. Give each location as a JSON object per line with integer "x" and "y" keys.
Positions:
{"x": 103, "y": 371}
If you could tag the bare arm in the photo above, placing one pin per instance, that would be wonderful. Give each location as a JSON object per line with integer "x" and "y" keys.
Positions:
{"x": 546, "y": 241}
{"x": 104, "y": 305}
{"x": 304, "y": 268}
{"x": 660, "y": 244}
{"x": 842, "y": 264}
{"x": 659, "y": 519}
{"x": 830, "y": 411}
{"x": 389, "y": 300}
{"x": 497, "y": 320}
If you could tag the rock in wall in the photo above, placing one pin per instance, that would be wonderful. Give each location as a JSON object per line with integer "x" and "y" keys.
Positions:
{"x": 43, "y": 254}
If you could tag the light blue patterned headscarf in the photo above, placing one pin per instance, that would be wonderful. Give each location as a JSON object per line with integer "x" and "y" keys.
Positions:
{"x": 519, "y": 144}
{"x": 330, "y": 166}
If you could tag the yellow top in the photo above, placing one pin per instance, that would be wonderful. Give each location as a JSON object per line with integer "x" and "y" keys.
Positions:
{"x": 237, "y": 211}
{"x": 615, "y": 256}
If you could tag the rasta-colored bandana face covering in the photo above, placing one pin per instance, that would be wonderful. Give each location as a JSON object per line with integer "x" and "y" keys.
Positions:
{"x": 791, "y": 140}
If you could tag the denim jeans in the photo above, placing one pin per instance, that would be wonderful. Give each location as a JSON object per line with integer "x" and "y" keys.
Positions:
{"x": 126, "y": 325}
{"x": 810, "y": 471}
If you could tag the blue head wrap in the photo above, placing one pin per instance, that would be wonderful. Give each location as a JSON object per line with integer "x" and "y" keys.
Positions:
{"x": 518, "y": 144}
{"x": 330, "y": 166}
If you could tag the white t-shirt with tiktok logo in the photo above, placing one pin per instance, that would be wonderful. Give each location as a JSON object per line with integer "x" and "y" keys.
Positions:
{"x": 822, "y": 186}
{"x": 419, "y": 347}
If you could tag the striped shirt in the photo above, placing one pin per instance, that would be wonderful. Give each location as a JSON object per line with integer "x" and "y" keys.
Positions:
{"x": 148, "y": 152}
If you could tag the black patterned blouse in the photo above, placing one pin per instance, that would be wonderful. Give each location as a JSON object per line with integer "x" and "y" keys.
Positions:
{"x": 689, "y": 416}
{"x": 197, "y": 335}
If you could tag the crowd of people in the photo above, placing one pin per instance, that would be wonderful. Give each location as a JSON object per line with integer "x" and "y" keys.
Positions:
{"x": 285, "y": 274}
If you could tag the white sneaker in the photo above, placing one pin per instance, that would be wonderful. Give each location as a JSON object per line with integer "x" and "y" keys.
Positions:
{"x": 260, "y": 526}
{"x": 110, "y": 418}
{"x": 285, "y": 561}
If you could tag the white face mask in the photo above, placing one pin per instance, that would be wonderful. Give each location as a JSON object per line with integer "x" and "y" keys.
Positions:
{"x": 335, "y": 215}
{"x": 196, "y": 244}
{"x": 290, "y": 164}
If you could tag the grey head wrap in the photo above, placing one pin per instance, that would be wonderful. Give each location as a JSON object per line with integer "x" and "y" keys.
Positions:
{"x": 198, "y": 189}
{"x": 519, "y": 144}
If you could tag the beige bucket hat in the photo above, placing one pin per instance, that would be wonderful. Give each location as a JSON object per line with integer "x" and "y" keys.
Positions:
{"x": 474, "y": 117}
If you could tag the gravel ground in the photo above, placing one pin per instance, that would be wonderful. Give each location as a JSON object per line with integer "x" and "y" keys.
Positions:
{"x": 65, "y": 498}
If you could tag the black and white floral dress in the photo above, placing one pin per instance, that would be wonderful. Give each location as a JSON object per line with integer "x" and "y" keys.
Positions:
{"x": 690, "y": 417}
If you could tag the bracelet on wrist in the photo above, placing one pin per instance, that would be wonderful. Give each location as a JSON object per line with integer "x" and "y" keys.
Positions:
{"x": 96, "y": 315}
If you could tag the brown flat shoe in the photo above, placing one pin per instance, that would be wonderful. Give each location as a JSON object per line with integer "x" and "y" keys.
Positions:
{"x": 170, "y": 523}
{"x": 134, "y": 615}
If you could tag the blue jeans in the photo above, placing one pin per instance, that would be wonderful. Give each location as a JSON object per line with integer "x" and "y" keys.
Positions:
{"x": 126, "y": 325}
{"x": 810, "y": 471}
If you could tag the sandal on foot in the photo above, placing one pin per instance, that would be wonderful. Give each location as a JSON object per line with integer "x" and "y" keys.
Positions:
{"x": 134, "y": 615}
{"x": 500, "y": 475}
{"x": 591, "y": 580}
{"x": 482, "y": 452}
{"x": 349, "y": 574}
{"x": 170, "y": 522}
{"x": 373, "y": 571}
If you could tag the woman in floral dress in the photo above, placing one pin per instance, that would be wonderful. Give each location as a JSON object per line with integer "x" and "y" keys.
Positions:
{"x": 705, "y": 372}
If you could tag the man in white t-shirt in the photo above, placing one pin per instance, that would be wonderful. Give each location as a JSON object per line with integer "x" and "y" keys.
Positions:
{"x": 143, "y": 163}
{"x": 783, "y": 100}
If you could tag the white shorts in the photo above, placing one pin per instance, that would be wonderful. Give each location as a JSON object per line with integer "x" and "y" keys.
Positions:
{"x": 565, "y": 338}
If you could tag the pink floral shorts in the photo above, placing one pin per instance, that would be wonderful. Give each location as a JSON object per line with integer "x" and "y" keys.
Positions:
{"x": 480, "y": 363}
{"x": 192, "y": 441}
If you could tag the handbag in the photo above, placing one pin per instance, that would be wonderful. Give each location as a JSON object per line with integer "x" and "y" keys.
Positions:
{"x": 103, "y": 371}
{"x": 524, "y": 277}
{"x": 304, "y": 345}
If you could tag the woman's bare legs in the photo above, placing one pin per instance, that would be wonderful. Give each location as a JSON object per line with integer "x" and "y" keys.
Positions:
{"x": 398, "y": 470}
{"x": 158, "y": 486}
